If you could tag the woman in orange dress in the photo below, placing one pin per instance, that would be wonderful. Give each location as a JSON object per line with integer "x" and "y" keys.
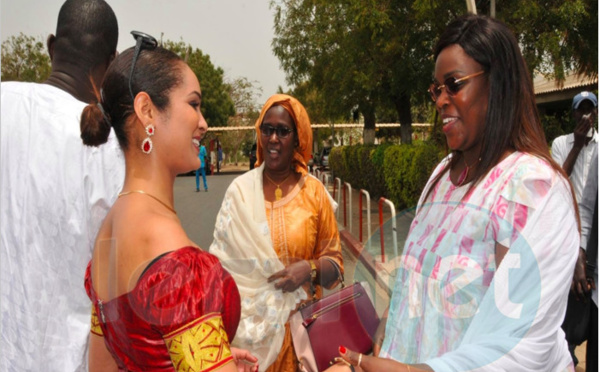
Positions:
{"x": 159, "y": 303}
{"x": 276, "y": 233}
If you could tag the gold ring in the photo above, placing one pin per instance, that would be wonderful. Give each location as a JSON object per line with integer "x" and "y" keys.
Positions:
{"x": 359, "y": 360}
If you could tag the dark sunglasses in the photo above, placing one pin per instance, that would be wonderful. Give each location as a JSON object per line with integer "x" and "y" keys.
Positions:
{"x": 452, "y": 86}
{"x": 142, "y": 41}
{"x": 281, "y": 131}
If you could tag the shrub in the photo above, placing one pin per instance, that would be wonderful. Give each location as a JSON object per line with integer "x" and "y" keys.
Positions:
{"x": 397, "y": 172}
{"x": 335, "y": 162}
{"x": 556, "y": 125}
{"x": 407, "y": 169}
{"x": 364, "y": 166}
{"x": 376, "y": 183}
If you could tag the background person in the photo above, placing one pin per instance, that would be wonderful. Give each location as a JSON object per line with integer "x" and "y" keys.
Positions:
{"x": 219, "y": 158}
{"x": 155, "y": 295}
{"x": 202, "y": 170}
{"x": 586, "y": 269}
{"x": 55, "y": 193}
{"x": 276, "y": 233}
{"x": 486, "y": 267}
{"x": 213, "y": 160}
{"x": 574, "y": 151}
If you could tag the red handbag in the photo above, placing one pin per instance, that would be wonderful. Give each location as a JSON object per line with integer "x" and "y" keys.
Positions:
{"x": 346, "y": 317}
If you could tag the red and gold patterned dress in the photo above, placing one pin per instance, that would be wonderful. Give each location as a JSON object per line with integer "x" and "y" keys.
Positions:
{"x": 181, "y": 315}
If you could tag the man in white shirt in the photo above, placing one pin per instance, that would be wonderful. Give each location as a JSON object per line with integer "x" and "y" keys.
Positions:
{"x": 54, "y": 194}
{"x": 574, "y": 151}
{"x": 586, "y": 269}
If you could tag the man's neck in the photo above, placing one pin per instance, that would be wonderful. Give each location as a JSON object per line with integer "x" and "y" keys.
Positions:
{"x": 77, "y": 86}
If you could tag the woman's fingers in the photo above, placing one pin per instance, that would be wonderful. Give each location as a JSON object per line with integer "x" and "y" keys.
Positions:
{"x": 276, "y": 276}
{"x": 350, "y": 356}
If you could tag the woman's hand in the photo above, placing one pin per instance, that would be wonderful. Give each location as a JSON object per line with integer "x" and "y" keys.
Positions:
{"x": 581, "y": 130}
{"x": 292, "y": 276}
{"x": 366, "y": 363}
{"x": 380, "y": 333}
{"x": 245, "y": 362}
{"x": 378, "y": 337}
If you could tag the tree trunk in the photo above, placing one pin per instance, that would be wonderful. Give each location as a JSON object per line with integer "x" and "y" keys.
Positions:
{"x": 368, "y": 112}
{"x": 368, "y": 136}
{"x": 404, "y": 116}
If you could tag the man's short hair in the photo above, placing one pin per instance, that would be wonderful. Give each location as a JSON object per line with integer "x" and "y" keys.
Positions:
{"x": 582, "y": 97}
{"x": 86, "y": 30}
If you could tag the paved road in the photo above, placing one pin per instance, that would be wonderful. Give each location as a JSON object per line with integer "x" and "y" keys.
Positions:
{"x": 198, "y": 210}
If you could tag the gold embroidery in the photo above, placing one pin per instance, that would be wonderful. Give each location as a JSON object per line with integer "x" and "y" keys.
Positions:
{"x": 96, "y": 323}
{"x": 201, "y": 345}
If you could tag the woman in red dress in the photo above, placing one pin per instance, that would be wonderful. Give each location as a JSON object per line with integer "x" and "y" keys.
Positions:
{"x": 159, "y": 303}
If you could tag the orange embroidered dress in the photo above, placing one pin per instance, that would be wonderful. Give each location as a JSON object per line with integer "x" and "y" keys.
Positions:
{"x": 303, "y": 227}
{"x": 181, "y": 315}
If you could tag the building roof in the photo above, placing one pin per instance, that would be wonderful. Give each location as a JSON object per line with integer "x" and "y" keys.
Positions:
{"x": 542, "y": 85}
{"x": 549, "y": 93}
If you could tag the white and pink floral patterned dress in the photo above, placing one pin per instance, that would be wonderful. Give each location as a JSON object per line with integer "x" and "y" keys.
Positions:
{"x": 452, "y": 308}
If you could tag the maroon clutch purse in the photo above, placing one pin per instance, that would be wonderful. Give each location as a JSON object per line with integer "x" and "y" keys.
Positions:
{"x": 346, "y": 317}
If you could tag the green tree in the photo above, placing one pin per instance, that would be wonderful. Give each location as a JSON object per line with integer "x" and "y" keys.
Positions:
{"x": 316, "y": 104}
{"x": 362, "y": 54}
{"x": 24, "y": 59}
{"x": 373, "y": 54}
{"x": 244, "y": 94}
{"x": 217, "y": 105}
{"x": 313, "y": 43}
{"x": 556, "y": 36}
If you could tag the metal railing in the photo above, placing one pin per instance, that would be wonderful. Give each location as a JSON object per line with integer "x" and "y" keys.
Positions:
{"x": 360, "y": 217}
{"x": 383, "y": 200}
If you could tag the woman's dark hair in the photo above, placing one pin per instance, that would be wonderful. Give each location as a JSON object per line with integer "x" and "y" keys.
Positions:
{"x": 512, "y": 121}
{"x": 156, "y": 72}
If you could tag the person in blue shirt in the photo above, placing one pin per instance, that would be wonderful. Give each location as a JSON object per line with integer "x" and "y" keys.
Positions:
{"x": 202, "y": 170}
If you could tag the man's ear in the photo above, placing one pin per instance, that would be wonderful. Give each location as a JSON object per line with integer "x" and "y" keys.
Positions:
{"x": 144, "y": 108}
{"x": 50, "y": 45}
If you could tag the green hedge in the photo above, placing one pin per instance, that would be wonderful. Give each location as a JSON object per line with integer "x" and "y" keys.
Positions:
{"x": 336, "y": 164}
{"x": 397, "y": 172}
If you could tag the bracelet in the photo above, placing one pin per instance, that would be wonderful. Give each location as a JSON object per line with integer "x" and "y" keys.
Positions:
{"x": 313, "y": 270}
{"x": 359, "y": 360}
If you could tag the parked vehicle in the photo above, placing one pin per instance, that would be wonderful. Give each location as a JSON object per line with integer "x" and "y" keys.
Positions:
{"x": 324, "y": 157}
{"x": 252, "y": 156}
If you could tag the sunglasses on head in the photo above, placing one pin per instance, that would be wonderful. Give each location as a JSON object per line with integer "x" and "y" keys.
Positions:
{"x": 452, "y": 86}
{"x": 142, "y": 41}
{"x": 281, "y": 131}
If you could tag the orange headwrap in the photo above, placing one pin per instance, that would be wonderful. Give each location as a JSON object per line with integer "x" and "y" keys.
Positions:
{"x": 303, "y": 151}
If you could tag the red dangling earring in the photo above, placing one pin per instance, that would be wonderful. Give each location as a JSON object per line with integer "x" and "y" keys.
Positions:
{"x": 147, "y": 142}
